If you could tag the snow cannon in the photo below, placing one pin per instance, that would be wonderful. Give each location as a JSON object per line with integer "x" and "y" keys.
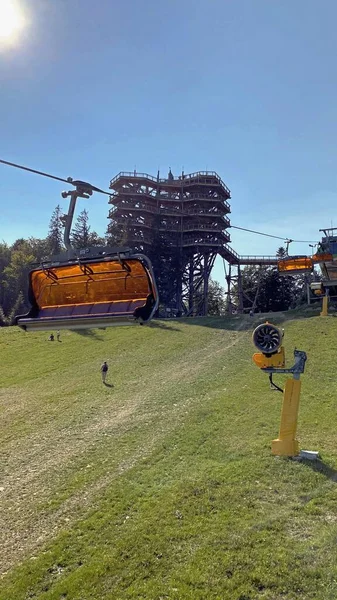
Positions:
{"x": 271, "y": 359}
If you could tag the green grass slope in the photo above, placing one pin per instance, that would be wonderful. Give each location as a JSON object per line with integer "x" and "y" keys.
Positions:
{"x": 163, "y": 485}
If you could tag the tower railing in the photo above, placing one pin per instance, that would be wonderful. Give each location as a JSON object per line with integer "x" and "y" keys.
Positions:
{"x": 196, "y": 177}
{"x": 168, "y": 197}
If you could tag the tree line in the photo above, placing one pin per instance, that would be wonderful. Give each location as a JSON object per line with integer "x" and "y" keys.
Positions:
{"x": 17, "y": 260}
{"x": 263, "y": 289}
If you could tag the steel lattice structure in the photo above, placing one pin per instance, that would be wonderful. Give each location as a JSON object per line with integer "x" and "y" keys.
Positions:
{"x": 187, "y": 215}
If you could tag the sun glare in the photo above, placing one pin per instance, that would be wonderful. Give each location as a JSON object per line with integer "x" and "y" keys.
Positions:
{"x": 11, "y": 20}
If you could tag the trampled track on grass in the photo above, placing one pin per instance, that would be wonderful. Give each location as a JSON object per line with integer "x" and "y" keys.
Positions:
{"x": 35, "y": 463}
{"x": 164, "y": 485}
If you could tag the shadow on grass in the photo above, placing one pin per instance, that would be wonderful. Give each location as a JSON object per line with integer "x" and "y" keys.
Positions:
{"x": 108, "y": 385}
{"x": 320, "y": 467}
{"x": 162, "y": 324}
{"x": 88, "y": 333}
{"x": 232, "y": 323}
{"x": 239, "y": 322}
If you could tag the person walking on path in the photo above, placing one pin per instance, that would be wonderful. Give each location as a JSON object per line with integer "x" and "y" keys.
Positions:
{"x": 104, "y": 371}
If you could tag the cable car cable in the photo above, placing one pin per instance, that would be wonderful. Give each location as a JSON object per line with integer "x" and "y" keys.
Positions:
{"x": 73, "y": 182}
{"x": 68, "y": 180}
{"x": 5, "y": 162}
{"x": 277, "y": 237}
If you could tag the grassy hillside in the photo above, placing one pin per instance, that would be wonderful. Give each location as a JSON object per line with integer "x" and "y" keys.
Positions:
{"x": 163, "y": 485}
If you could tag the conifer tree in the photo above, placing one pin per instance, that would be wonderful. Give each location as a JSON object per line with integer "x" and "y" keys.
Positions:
{"x": 281, "y": 252}
{"x": 80, "y": 236}
{"x": 55, "y": 233}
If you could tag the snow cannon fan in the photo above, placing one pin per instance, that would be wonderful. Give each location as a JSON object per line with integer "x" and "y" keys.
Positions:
{"x": 267, "y": 338}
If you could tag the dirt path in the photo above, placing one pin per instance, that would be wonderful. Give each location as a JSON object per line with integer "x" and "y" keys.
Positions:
{"x": 35, "y": 465}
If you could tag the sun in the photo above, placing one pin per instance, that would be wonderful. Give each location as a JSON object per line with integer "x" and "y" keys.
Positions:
{"x": 11, "y": 19}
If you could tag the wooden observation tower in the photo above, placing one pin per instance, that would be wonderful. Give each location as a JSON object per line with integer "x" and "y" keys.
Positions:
{"x": 186, "y": 217}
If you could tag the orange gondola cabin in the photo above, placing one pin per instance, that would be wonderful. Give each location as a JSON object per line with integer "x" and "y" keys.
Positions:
{"x": 294, "y": 265}
{"x": 83, "y": 293}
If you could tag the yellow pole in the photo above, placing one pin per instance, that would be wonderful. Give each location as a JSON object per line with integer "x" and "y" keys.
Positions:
{"x": 286, "y": 444}
{"x": 324, "y": 312}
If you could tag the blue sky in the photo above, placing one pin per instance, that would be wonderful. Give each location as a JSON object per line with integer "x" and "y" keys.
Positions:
{"x": 246, "y": 88}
